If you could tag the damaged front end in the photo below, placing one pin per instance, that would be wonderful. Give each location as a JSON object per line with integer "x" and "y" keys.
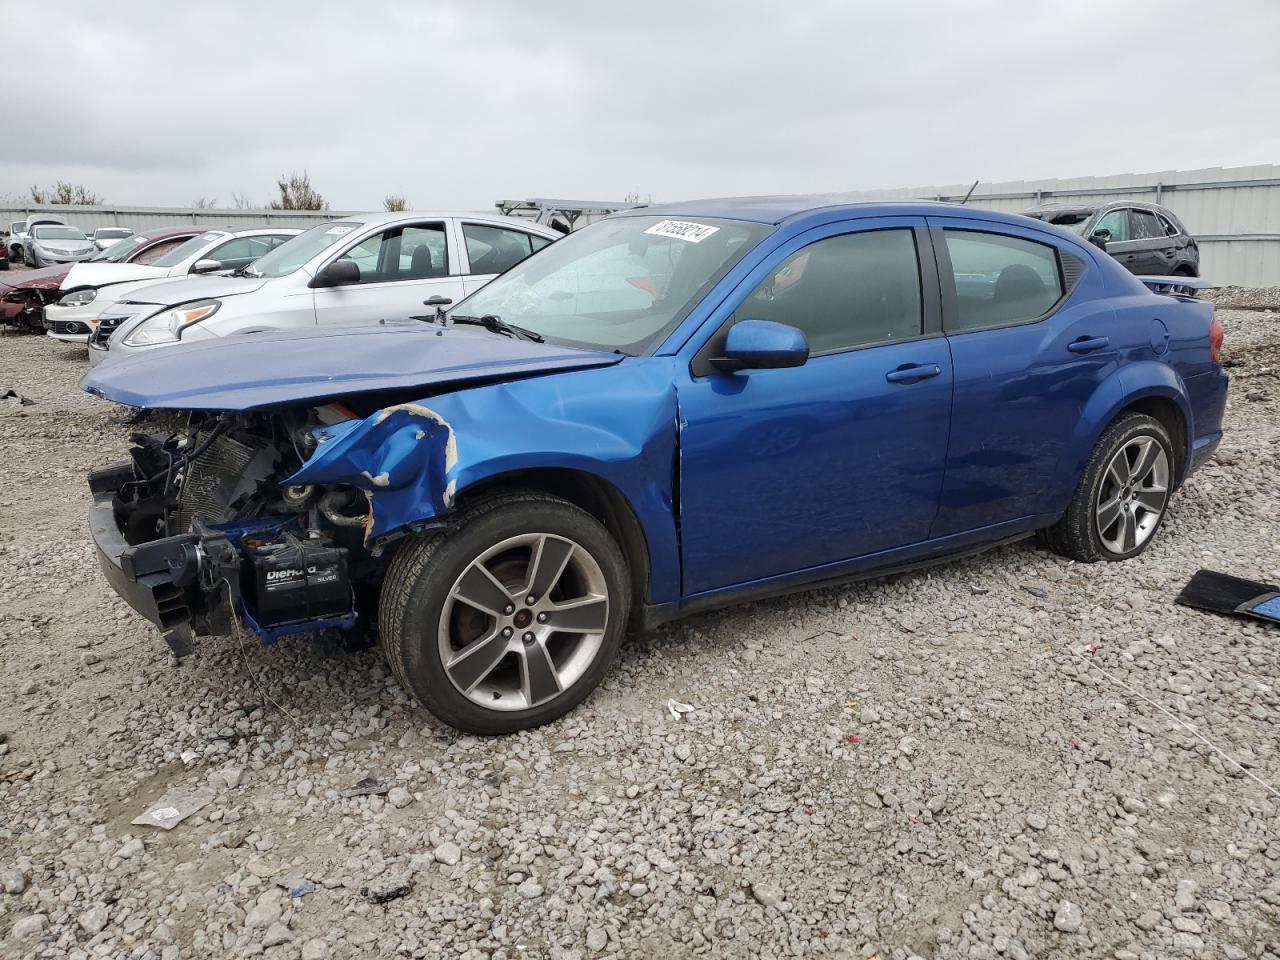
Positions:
{"x": 23, "y": 307}
{"x": 201, "y": 528}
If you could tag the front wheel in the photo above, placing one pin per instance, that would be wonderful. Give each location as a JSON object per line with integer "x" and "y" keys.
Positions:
{"x": 511, "y": 619}
{"x": 1122, "y": 498}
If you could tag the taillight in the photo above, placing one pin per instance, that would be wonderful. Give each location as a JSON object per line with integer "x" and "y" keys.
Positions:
{"x": 1215, "y": 341}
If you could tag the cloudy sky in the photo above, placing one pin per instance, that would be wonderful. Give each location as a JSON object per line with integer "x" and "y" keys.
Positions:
{"x": 458, "y": 104}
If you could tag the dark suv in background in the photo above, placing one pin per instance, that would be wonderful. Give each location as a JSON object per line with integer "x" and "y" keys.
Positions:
{"x": 1146, "y": 238}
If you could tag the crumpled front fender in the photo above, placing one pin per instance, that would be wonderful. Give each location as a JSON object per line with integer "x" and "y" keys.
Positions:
{"x": 616, "y": 423}
{"x": 403, "y": 453}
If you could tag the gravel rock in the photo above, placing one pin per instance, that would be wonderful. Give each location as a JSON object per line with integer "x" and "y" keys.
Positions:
{"x": 94, "y": 920}
{"x": 1068, "y": 917}
{"x": 993, "y": 769}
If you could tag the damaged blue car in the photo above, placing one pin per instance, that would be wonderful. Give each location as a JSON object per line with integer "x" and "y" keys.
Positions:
{"x": 673, "y": 409}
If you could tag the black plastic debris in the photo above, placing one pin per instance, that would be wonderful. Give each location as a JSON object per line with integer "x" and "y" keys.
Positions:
{"x": 1220, "y": 593}
{"x": 15, "y": 395}
{"x": 368, "y": 787}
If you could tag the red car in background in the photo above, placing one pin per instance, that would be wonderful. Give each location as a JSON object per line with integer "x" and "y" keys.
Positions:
{"x": 23, "y": 296}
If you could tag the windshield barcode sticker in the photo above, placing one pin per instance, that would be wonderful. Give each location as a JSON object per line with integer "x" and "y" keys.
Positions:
{"x": 682, "y": 230}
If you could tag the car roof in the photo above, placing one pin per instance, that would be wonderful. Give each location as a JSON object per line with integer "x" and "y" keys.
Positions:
{"x": 778, "y": 210}
{"x": 390, "y": 219}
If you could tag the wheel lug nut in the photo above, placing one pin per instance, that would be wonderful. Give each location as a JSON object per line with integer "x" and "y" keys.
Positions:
{"x": 531, "y": 599}
{"x": 508, "y": 609}
{"x": 542, "y": 618}
{"x": 527, "y": 638}
{"x": 507, "y": 631}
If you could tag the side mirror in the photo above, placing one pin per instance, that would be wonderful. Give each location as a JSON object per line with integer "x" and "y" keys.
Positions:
{"x": 206, "y": 266}
{"x": 340, "y": 273}
{"x": 1100, "y": 238}
{"x": 762, "y": 345}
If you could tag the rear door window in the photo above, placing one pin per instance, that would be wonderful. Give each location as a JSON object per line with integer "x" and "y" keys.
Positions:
{"x": 496, "y": 249}
{"x": 1000, "y": 280}
{"x": 1145, "y": 225}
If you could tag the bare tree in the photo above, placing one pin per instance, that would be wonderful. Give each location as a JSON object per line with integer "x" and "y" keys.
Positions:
{"x": 296, "y": 193}
{"x": 64, "y": 192}
{"x": 394, "y": 203}
{"x": 205, "y": 203}
{"x": 241, "y": 201}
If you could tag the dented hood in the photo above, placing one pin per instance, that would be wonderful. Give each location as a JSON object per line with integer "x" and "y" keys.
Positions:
{"x": 255, "y": 371}
{"x": 46, "y": 278}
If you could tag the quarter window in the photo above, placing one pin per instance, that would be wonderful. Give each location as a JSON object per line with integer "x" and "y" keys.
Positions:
{"x": 496, "y": 249}
{"x": 1167, "y": 226}
{"x": 853, "y": 290}
{"x": 1000, "y": 280}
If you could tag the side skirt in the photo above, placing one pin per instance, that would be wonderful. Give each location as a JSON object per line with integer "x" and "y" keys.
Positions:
{"x": 650, "y": 616}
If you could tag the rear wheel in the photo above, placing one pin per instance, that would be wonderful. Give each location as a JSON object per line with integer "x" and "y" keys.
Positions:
{"x": 510, "y": 620}
{"x": 1121, "y": 500}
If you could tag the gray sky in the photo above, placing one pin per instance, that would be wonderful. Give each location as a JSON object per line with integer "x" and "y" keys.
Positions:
{"x": 457, "y": 104}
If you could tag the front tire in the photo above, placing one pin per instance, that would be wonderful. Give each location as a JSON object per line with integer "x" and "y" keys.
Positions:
{"x": 1123, "y": 496}
{"x": 509, "y": 620}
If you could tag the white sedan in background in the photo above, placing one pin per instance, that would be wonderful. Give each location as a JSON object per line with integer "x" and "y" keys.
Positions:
{"x": 104, "y": 237}
{"x": 92, "y": 288}
{"x": 351, "y": 271}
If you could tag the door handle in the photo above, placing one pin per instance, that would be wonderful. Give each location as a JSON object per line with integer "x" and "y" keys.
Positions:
{"x": 912, "y": 372}
{"x": 1088, "y": 344}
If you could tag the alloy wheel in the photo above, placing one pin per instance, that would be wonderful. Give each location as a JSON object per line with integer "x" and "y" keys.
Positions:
{"x": 1133, "y": 494}
{"x": 523, "y": 622}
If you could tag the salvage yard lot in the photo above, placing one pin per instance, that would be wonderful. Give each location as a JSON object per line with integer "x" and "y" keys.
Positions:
{"x": 952, "y": 763}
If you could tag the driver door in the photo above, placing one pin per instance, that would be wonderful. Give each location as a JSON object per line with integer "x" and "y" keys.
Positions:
{"x": 787, "y": 469}
{"x": 400, "y": 267}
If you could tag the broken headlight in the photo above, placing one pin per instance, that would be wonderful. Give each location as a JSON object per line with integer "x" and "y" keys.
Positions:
{"x": 78, "y": 298}
{"x": 167, "y": 327}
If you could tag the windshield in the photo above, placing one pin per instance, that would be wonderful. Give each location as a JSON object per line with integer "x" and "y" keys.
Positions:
{"x": 111, "y": 233}
{"x": 185, "y": 250}
{"x": 619, "y": 284}
{"x": 59, "y": 233}
{"x": 296, "y": 251}
{"x": 1073, "y": 220}
{"x": 119, "y": 250}
{"x": 18, "y": 226}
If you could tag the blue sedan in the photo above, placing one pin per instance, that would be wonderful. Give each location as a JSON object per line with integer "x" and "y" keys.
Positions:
{"x": 674, "y": 409}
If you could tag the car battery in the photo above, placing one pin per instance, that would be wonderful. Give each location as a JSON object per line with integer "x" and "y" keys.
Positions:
{"x": 292, "y": 580}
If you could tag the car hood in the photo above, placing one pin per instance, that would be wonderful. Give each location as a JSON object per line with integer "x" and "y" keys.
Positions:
{"x": 255, "y": 371}
{"x": 101, "y": 274}
{"x": 167, "y": 291}
{"x": 45, "y": 279}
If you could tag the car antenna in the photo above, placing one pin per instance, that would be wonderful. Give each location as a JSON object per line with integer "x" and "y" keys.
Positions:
{"x": 969, "y": 194}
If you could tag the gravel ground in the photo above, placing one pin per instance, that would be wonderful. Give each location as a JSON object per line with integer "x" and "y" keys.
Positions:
{"x": 974, "y": 761}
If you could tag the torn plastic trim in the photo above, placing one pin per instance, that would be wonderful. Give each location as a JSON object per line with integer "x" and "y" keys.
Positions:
{"x": 384, "y": 454}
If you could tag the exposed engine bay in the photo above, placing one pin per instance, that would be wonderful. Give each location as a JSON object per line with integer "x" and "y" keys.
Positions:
{"x": 207, "y": 507}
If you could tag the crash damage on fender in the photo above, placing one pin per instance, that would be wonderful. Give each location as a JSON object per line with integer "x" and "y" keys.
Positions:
{"x": 276, "y": 502}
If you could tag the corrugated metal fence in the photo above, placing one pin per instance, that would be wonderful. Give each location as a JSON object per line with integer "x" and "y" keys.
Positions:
{"x": 1234, "y": 213}
{"x": 147, "y": 218}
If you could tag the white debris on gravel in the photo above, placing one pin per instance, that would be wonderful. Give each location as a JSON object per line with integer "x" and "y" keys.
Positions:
{"x": 922, "y": 766}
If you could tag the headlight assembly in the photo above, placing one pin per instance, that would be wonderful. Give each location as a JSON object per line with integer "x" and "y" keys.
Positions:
{"x": 167, "y": 326}
{"x": 78, "y": 298}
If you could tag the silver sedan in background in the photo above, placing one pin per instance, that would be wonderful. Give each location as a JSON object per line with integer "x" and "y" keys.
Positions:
{"x": 48, "y": 244}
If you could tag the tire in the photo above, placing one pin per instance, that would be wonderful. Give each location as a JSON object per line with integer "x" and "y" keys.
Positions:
{"x": 1090, "y": 531}
{"x": 502, "y": 684}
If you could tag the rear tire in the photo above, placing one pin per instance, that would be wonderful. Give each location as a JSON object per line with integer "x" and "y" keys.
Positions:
{"x": 509, "y": 620}
{"x": 1123, "y": 496}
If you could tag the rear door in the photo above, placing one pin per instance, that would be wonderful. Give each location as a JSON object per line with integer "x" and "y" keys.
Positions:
{"x": 490, "y": 249}
{"x": 1027, "y": 357}
{"x": 400, "y": 267}
{"x": 1153, "y": 250}
{"x": 787, "y": 469}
